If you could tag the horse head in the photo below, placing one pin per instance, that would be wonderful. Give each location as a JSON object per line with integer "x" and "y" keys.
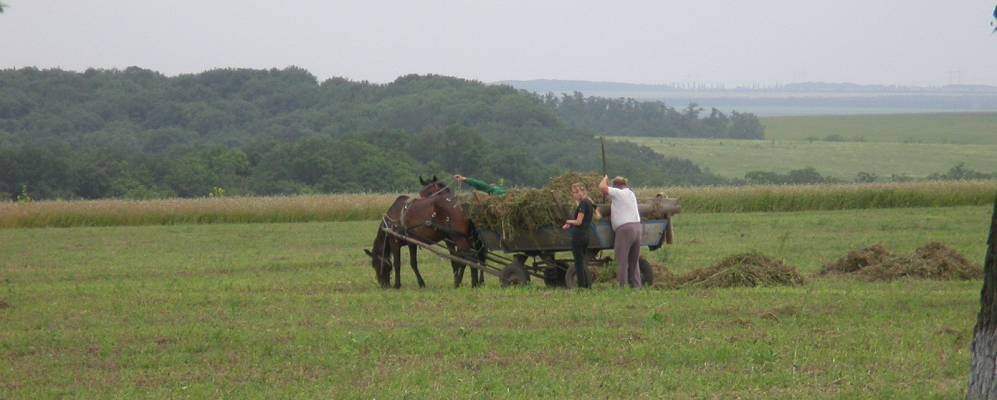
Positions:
{"x": 432, "y": 187}
{"x": 379, "y": 260}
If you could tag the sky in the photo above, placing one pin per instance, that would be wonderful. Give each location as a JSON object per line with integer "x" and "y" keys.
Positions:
{"x": 910, "y": 42}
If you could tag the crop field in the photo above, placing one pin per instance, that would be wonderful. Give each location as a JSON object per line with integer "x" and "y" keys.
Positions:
{"x": 941, "y": 128}
{"x": 371, "y": 206}
{"x": 842, "y": 160}
{"x": 271, "y": 310}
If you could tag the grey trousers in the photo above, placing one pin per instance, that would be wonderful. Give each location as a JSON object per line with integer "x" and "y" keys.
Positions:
{"x": 627, "y": 248}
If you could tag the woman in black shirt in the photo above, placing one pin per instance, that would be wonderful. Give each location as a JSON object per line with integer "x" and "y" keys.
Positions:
{"x": 580, "y": 227}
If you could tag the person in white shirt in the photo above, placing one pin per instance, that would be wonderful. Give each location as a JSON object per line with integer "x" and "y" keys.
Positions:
{"x": 625, "y": 219}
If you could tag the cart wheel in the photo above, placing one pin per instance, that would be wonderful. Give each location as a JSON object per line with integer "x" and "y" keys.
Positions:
{"x": 554, "y": 276}
{"x": 514, "y": 275}
{"x": 571, "y": 277}
{"x": 646, "y": 273}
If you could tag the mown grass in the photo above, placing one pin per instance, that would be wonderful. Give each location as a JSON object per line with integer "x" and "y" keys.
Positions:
{"x": 292, "y": 310}
{"x": 951, "y": 128}
{"x": 842, "y": 160}
{"x": 361, "y": 207}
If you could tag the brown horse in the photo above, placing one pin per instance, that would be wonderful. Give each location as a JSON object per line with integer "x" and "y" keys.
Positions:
{"x": 386, "y": 246}
{"x": 475, "y": 250}
{"x": 435, "y": 217}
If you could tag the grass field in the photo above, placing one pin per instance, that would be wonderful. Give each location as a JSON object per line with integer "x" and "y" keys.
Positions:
{"x": 842, "y": 160}
{"x": 292, "y": 310}
{"x": 952, "y": 128}
{"x": 915, "y": 145}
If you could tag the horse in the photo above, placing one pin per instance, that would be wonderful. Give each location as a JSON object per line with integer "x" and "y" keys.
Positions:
{"x": 433, "y": 187}
{"x": 386, "y": 245}
{"x": 435, "y": 216}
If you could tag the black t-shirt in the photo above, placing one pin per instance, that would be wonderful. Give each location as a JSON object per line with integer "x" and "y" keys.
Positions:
{"x": 581, "y": 232}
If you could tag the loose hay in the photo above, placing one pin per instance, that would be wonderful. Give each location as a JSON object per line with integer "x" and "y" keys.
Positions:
{"x": 742, "y": 270}
{"x": 529, "y": 208}
{"x": 858, "y": 259}
{"x": 663, "y": 277}
{"x": 932, "y": 261}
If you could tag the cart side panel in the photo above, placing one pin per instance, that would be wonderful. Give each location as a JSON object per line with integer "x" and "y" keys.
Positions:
{"x": 556, "y": 239}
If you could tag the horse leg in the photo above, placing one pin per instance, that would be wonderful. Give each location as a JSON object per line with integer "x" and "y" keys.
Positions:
{"x": 458, "y": 268}
{"x": 458, "y": 273}
{"x": 475, "y": 274}
{"x": 482, "y": 259}
{"x": 412, "y": 249}
{"x": 384, "y": 270}
{"x": 397, "y": 253}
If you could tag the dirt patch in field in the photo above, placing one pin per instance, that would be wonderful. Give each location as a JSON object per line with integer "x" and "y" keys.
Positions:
{"x": 4, "y": 304}
{"x": 934, "y": 260}
{"x": 858, "y": 259}
{"x": 742, "y": 270}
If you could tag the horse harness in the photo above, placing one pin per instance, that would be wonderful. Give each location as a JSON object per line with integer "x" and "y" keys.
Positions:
{"x": 446, "y": 226}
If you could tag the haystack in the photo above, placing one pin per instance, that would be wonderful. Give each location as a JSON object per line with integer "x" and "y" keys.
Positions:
{"x": 742, "y": 270}
{"x": 858, "y": 259}
{"x": 934, "y": 260}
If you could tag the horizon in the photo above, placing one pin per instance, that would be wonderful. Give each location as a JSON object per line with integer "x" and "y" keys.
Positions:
{"x": 698, "y": 85}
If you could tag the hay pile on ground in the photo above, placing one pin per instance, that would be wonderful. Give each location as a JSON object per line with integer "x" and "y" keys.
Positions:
{"x": 931, "y": 261}
{"x": 529, "y": 208}
{"x": 858, "y": 259}
{"x": 742, "y": 270}
{"x": 663, "y": 277}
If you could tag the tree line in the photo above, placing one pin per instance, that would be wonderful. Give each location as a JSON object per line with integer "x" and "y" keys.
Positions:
{"x": 135, "y": 133}
{"x": 630, "y": 117}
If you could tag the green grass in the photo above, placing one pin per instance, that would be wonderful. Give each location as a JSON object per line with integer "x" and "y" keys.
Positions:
{"x": 292, "y": 310}
{"x": 842, "y": 160}
{"x": 954, "y": 128}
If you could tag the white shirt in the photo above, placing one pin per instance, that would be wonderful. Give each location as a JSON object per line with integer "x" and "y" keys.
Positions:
{"x": 624, "y": 207}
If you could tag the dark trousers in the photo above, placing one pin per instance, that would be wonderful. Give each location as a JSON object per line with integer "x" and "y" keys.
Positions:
{"x": 578, "y": 248}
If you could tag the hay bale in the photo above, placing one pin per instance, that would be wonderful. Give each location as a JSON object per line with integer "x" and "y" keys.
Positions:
{"x": 858, "y": 259}
{"x": 742, "y": 270}
{"x": 934, "y": 260}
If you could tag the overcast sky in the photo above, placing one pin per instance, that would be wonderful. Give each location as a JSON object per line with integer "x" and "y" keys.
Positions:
{"x": 919, "y": 42}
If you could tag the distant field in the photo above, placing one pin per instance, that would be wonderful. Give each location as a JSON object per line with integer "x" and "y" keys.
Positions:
{"x": 843, "y": 160}
{"x": 292, "y": 311}
{"x": 371, "y": 206}
{"x": 955, "y": 128}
